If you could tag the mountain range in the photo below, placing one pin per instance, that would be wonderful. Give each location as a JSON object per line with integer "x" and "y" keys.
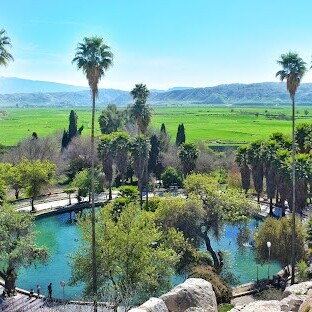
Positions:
{"x": 24, "y": 93}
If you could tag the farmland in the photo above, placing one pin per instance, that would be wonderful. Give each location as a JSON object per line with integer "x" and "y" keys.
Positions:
{"x": 215, "y": 125}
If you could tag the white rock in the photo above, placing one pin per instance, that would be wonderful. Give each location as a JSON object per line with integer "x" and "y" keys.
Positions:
{"x": 194, "y": 292}
{"x": 301, "y": 288}
{"x": 152, "y": 305}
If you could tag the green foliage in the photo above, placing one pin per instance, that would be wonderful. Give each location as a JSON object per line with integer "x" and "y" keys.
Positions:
{"x": 302, "y": 269}
{"x": 17, "y": 245}
{"x": 278, "y": 232}
{"x": 111, "y": 119}
{"x": 188, "y": 154}
{"x": 171, "y": 176}
{"x": 220, "y": 288}
{"x": 225, "y": 307}
{"x": 82, "y": 181}
{"x": 153, "y": 204}
{"x": 309, "y": 233}
{"x": 129, "y": 191}
{"x": 180, "y": 135}
{"x": 35, "y": 175}
{"x": 135, "y": 257}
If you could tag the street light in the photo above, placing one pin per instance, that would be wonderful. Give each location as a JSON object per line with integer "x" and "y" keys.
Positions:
{"x": 63, "y": 284}
{"x": 269, "y": 248}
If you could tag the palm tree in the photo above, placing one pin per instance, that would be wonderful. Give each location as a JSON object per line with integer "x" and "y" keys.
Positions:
{"x": 188, "y": 154}
{"x": 242, "y": 162}
{"x": 93, "y": 57}
{"x": 254, "y": 154}
{"x": 107, "y": 158}
{"x": 5, "y": 42}
{"x": 141, "y": 113}
{"x": 293, "y": 69}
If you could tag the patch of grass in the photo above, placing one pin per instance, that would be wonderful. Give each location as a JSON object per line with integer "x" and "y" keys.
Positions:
{"x": 215, "y": 125}
{"x": 225, "y": 307}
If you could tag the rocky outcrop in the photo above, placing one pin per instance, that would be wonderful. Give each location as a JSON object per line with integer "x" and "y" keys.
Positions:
{"x": 194, "y": 295}
{"x": 301, "y": 288}
{"x": 194, "y": 292}
{"x": 288, "y": 304}
{"x": 152, "y": 305}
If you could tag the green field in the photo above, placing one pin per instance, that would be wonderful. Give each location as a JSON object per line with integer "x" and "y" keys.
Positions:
{"x": 214, "y": 125}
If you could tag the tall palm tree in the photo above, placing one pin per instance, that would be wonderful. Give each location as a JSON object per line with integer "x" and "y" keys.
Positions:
{"x": 293, "y": 69}
{"x": 188, "y": 154}
{"x": 242, "y": 162}
{"x": 5, "y": 42}
{"x": 93, "y": 57}
{"x": 141, "y": 113}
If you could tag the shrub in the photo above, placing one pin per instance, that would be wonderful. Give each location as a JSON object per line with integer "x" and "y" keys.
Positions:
{"x": 221, "y": 289}
{"x": 171, "y": 176}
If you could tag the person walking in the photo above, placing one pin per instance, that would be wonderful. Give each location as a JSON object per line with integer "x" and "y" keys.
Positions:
{"x": 38, "y": 291}
{"x": 50, "y": 291}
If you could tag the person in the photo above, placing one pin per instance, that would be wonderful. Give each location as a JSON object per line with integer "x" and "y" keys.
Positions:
{"x": 50, "y": 291}
{"x": 31, "y": 293}
{"x": 38, "y": 290}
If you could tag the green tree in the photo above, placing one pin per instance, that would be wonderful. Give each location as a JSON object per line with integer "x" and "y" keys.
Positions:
{"x": 180, "y": 139}
{"x": 172, "y": 176}
{"x": 105, "y": 151}
{"x": 154, "y": 155}
{"x": 293, "y": 69}
{"x": 255, "y": 159}
{"x": 111, "y": 119}
{"x": 219, "y": 208}
{"x": 93, "y": 57}
{"x": 188, "y": 154}
{"x": 302, "y": 134}
{"x": 140, "y": 112}
{"x": 5, "y": 42}
{"x": 35, "y": 176}
{"x": 82, "y": 181}
{"x": 242, "y": 162}
{"x": 279, "y": 233}
{"x": 17, "y": 245}
{"x": 120, "y": 148}
{"x": 136, "y": 258}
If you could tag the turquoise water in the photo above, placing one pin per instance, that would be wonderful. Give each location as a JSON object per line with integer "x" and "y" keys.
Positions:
{"x": 62, "y": 239}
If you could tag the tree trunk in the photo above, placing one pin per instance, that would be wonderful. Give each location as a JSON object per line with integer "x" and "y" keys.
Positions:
{"x": 271, "y": 207}
{"x": 94, "y": 277}
{"x": 216, "y": 262}
{"x": 32, "y": 205}
{"x": 110, "y": 196}
{"x": 293, "y": 213}
{"x": 9, "y": 278}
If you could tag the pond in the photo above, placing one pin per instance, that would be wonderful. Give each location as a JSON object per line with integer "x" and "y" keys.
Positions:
{"x": 62, "y": 238}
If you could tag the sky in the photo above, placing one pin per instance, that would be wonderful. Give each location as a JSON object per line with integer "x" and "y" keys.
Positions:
{"x": 163, "y": 43}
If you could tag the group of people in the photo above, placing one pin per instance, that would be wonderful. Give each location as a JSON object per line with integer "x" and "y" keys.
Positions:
{"x": 31, "y": 293}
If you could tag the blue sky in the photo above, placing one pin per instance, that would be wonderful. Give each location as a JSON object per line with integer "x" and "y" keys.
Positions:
{"x": 163, "y": 43}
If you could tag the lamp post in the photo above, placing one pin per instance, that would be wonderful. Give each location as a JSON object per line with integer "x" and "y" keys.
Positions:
{"x": 269, "y": 248}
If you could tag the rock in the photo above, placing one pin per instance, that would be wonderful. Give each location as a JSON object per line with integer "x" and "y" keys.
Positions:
{"x": 152, "y": 305}
{"x": 193, "y": 309}
{"x": 306, "y": 306}
{"x": 194, "y": 292}
{"x": 289, "y": 304}
{"x": 301, "y": 288}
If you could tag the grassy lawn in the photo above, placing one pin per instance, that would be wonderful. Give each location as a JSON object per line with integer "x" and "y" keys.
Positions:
{"x": 214, "y": 125}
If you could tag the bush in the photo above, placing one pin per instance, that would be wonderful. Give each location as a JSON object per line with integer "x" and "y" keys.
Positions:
{"x": 171, "y": 176}
{"x": 222, "y": 290}
{"x": 153, "y": 204}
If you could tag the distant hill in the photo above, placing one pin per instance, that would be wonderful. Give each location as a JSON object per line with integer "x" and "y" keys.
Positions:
{"x": 24, "y": 93}
{"x": 9, "y": 85}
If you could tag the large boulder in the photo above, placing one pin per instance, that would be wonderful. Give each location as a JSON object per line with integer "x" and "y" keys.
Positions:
{"x": 152, "y": 305}
{"x": 194, "y": 292}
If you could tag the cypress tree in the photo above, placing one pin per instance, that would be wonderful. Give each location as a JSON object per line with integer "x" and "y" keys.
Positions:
{"x": 154, "y": 153}
{"x": 65, "y": 139}
{"x": 72, "y": 129}
{"x": 180, "y": 135}
{"x": 163, "y": 129}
